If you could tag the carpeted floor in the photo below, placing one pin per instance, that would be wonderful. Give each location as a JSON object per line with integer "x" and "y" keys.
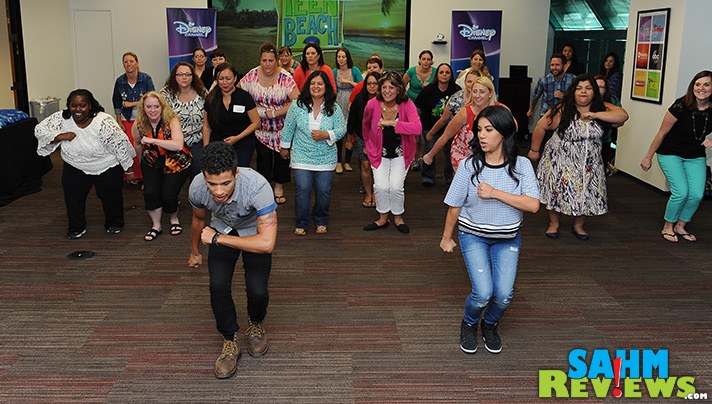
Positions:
{"x": 354, "y": 317}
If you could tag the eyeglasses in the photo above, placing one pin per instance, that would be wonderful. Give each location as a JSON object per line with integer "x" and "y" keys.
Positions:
{"x": 371, "y": 84}
{"x": 184, "y": 74}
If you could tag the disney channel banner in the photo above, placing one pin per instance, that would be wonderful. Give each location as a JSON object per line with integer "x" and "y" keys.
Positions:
{"x": 472, "y": 30}
{"x": 190, "y": 28}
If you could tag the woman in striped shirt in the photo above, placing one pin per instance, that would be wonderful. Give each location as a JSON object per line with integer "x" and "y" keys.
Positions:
{"x": 487, "y": 198}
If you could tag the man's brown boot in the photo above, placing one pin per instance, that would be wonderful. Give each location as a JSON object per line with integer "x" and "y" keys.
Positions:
{"x": 256, "y": 339}
{"x": 226, "y": 365}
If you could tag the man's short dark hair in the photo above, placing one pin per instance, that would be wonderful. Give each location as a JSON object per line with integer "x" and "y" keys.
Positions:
{"x": 218, "y": 157}
{"x": 559, "y": 56}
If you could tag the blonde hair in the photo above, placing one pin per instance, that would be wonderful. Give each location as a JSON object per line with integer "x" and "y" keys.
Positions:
{"x": 470, "y": 71}
{"x": 167, "y": 114}
{"x": 485, "y": 81}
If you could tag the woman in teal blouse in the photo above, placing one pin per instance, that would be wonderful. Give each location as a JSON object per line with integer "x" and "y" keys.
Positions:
{"x": 313, "y": 125}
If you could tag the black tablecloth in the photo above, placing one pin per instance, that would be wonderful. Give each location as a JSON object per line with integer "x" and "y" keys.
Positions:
{"x": 21, "y": 169}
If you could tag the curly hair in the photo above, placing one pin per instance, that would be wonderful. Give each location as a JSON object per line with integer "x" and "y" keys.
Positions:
{"x": 567, "y": 106}
{"x": 502, "y": 121}
{"x": 94, "y": 106}
{"x": 218, "y": 157}
{"x": 305, "y": 98}
{"x": 397, "y": 81}
{"x": 142, "y": 121}
{"x": 196, "y": 83}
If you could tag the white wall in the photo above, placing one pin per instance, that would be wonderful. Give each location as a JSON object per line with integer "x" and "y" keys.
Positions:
{"x": 7, "y": 98}
{"x": 48, "y": 48}
{"x": 525, "y": 27}
{"x": 137, "y": 25}
{"x": 688, "y": 40}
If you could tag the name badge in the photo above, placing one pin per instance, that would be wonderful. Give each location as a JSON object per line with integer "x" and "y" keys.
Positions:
{"x": 240, "y": 109}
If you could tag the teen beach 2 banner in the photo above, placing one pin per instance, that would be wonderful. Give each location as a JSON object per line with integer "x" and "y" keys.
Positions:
{"x": 190, "y": 28}
{"x": 473, "y": 30}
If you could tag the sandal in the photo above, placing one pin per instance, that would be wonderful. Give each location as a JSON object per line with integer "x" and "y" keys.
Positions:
{"x": 152, "y": 234}
{"x": 176, "y": 229}
{"x": 320, "y": 229}
{"x": 368, "y": 204}
{"x": 300, "y": 232}
{"x": 280, "y": 199}
{"x": 687, "y": 236}
{"x": 671, "y": 237}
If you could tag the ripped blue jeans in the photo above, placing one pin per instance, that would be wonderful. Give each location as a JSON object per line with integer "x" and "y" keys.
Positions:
{"x": 492, "y": 266}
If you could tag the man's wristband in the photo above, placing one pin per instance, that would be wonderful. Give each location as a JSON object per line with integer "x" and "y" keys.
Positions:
{"x": 215, "y": 239}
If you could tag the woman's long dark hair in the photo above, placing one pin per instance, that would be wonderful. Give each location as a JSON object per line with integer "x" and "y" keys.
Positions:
{"x": 574, "y": 54}
{"x": 502, "y": 120}
{"x": 196, "y": 83}
{"x": 607, "y": 97}
{"x": 567, "y": 106}
{"x": 451, "y": 83}
{"x": 689, "y": 100}
{"x": 305, "y": 97}
{"x": 616, "y": 65}
{"x": 364, "y": 90}
{"x": 317, "y": 48}
{"x": 213, "y": 102}
{"x": 94, "y": 108}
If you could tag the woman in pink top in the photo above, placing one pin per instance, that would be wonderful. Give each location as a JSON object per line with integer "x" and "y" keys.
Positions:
{"x": 312, "y": 60}
{"x": 390, "y": 125}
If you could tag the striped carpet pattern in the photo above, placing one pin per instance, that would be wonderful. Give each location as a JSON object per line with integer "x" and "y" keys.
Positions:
{"x": 354, "y": 317}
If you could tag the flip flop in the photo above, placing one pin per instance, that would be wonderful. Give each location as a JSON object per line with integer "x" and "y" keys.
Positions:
{"x": 152, "y": 234}
{"x": 671, "y": 237}
{"x": 687, "y": 236}
{"x": 368, "y": 204}
{"x": 176, "y": 229}
{"x": 280, "y": 199}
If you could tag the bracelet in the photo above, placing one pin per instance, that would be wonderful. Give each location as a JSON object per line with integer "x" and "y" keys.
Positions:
{"x": 215, "y": 239}
{"x": 535, "y": 151}
{"x": 129, "y": 172}
{"x": 490, "y": 195}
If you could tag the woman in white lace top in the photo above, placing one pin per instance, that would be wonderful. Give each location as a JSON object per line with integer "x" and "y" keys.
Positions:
{"x": 95, "y": 152}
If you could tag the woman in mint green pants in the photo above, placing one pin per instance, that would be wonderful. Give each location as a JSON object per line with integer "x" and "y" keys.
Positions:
{"x": 680, "y": 144}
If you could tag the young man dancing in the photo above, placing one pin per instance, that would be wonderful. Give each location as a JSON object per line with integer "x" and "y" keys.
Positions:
{"x": 244, "y": 221}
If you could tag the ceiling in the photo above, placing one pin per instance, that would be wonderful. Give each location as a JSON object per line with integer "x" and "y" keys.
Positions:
{"x": 589, "y": 15}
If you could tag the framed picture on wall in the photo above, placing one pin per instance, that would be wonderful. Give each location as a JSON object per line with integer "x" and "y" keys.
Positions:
{"x": 651, "y": 36}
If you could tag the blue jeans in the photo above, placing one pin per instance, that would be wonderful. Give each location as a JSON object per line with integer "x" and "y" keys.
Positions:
{"x": 492, "y": 266}
{"x": 687, "y": 185}
{"x": 321, "y": 180}
{"x": 428, "y": 172}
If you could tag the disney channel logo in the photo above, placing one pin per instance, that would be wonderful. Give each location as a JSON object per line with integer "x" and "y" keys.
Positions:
{"x": 475, "y": 33}
{"x": 598, "y": 371}
{"x": 189, "y": 29}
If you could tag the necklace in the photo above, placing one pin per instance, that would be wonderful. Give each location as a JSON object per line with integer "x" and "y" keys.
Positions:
{"x": 704, "y": 127}
{"x": 395, "y": 108}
